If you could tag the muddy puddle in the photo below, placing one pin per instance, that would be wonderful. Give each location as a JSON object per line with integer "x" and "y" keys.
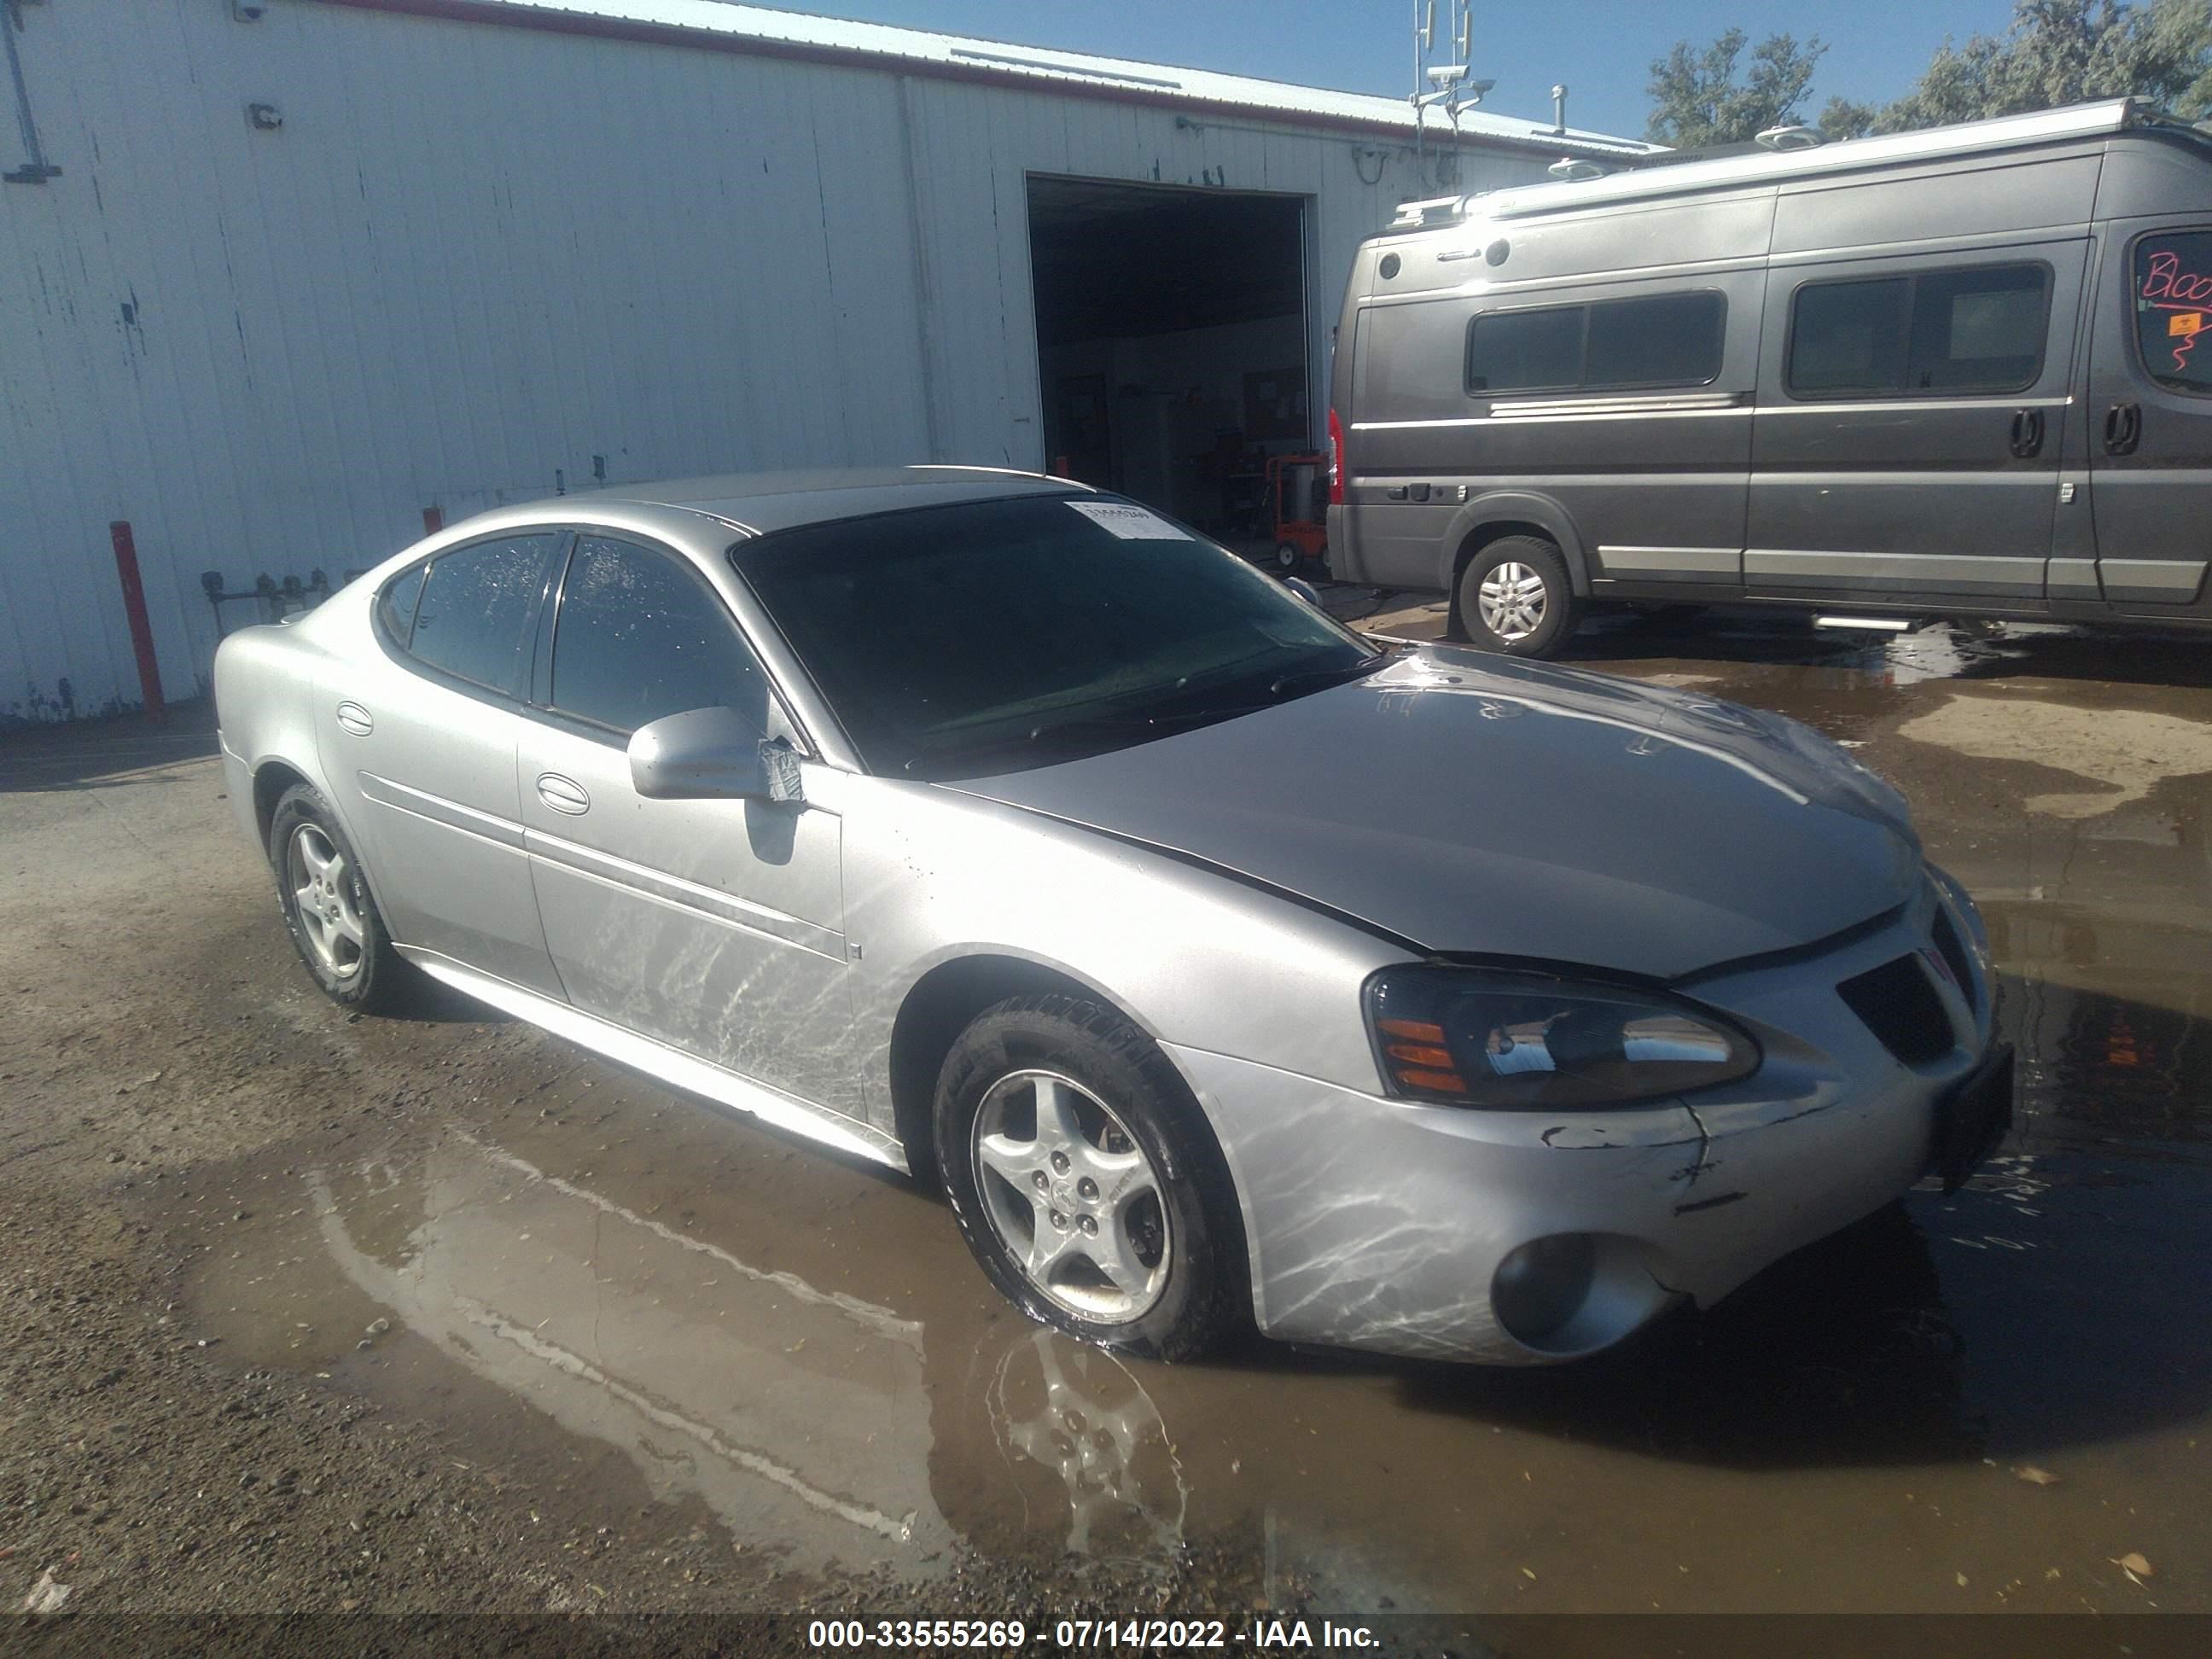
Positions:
{"x": 1966, "y": 1404}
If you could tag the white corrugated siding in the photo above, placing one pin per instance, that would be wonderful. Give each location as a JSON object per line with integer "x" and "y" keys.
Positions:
{"x": 477, "y": 255}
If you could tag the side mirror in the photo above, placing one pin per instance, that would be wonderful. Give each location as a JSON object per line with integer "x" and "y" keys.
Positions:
{"x": 711, "y": 754}
{"x": 1304, "y": 589}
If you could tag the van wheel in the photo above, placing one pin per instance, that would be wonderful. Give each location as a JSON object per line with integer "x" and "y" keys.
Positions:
{"x": 1514, "y": 596}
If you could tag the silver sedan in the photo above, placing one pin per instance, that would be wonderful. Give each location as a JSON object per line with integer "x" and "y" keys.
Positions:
{"x": 1224, "y": 970}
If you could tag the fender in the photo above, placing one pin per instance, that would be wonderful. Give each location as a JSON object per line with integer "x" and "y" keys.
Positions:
{"x": 1513, "y": 507}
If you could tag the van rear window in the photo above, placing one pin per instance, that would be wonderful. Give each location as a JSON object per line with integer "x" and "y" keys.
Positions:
{"x": 1972, "y": 331}
{"x": 2173, "y": 308}
{"x": 1659, "y": 340}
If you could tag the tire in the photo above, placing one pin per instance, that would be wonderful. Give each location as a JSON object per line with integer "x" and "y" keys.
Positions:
{"x": 339, "y": 933}
{"x": 1288, "y": 558}
{"x": 1535, "y": 621}
{"x": 1174, "y": 1284}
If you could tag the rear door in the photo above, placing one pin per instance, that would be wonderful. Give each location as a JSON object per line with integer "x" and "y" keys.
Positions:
{"x": 1912, "y": 425}
{"x": 716, "y": 926}
{"x": 2150, "y": 411}
{"x": 418, "y": 743}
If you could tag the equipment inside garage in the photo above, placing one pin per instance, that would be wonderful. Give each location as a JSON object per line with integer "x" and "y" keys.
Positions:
{"x": 1171, "y": 344}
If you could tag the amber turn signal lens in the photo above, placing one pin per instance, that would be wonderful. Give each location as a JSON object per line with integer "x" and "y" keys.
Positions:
{"x": 1419, "y": 1029}
{"x": 1440, "y": 1058}
{"x": 1442, "y": 1083}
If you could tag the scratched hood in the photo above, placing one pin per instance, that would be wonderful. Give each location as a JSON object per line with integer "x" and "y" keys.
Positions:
{"x": 1476, "y": 804}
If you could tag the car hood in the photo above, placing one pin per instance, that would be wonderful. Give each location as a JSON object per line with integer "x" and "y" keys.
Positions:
{"x": 1472, "y": 804}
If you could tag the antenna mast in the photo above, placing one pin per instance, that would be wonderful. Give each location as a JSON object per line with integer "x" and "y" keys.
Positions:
{"x": 1444, "y": 83}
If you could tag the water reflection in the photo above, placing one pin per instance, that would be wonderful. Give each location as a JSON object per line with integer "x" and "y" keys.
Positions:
{"x": 795, "y": 1415}
{"x": 1048, "y": 1443}
{"x": 808, "y": 1416}
{"x": 694, "y": 1327}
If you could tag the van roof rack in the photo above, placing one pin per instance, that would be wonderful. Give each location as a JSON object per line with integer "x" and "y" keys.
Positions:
{"x": 1658, "y": 176}
{"x": 1434, "y": 210}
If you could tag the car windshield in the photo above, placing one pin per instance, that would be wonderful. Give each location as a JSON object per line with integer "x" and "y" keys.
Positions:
{"x": 992, "y": 636}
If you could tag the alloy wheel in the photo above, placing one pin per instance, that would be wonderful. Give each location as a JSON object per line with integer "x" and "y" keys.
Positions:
{"x": 1071, "y": 1197}
{"x": 1512, "y": 599}
{"x": 321, "y": 884}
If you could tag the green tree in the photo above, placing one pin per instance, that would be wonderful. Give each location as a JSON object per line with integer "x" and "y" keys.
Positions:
{"x": 2057, "y": 51}
{"x": 1699, "y": 100}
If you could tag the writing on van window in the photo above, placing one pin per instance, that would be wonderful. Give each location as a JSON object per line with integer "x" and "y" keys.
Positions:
{"x": 2173, "y": 292}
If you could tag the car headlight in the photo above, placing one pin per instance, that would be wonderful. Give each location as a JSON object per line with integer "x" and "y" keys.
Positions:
{"x": 1523, "y": 1042}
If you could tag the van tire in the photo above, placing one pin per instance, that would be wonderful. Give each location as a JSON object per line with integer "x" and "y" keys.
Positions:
{"x": 1545, "y": 616}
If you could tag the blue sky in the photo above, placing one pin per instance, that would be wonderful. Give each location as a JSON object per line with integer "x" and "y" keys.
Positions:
{"x": 1603, "y": 49}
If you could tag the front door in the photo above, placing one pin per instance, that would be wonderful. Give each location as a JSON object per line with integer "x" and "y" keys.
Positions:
{"x": 1910, "y": 441}
{"x": 2150, "y": 413}
{"x": 716, "y": 926}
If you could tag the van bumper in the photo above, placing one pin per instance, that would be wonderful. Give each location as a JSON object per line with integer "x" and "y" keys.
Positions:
{"x": 1343, "y": 557}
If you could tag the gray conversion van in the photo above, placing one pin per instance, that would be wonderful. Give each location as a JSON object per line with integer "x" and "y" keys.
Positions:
{"x": 1966, "y": 372}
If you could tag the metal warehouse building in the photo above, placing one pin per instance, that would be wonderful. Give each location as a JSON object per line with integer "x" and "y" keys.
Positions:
{"x": 281, "y": 279}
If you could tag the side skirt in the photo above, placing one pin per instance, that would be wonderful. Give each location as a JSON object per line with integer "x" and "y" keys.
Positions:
{"x": 670, "y": 1065}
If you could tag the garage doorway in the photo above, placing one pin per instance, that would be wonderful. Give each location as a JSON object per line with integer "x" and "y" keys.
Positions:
{"x": 1171, "y": 344}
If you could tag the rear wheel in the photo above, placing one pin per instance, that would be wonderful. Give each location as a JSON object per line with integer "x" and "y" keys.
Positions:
{"x": 1287, "y": 557}
{"x": 1516, "y": 596}
{"x": 1085, "y": 1182}
{"x": 327, "y": 906}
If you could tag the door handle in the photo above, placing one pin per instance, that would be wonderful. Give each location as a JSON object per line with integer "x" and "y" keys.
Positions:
{"x": 353, "y": 718}
{"x": 2026, "y": 433}
{"x": 563, "y": 794}
{"x": 2123, "y": 428}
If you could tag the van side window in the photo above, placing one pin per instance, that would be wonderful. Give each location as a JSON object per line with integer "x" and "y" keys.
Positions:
{"x": 2173, "y": 308}
{"x": 1979, "y": 330}
{"x": 1661, "y": 340}
{"x": 1526, "y": 350}
{"x": 1669, "y": 339}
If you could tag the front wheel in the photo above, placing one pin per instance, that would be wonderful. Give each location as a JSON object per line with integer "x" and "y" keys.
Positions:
{"x": 1287, "y": 557}
{"x": 1086, "y": 1183}
{"x": 1516, "y": 597}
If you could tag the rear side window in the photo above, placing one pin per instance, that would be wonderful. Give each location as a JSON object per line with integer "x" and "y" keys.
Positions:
{"x": 1971, "y": 331}
{"x": 396, "y": 608}
{"x": 2173, "y": 308}
{"x": 1659, "y": 340}
{"x": 477, "y": 607}
{"x": 1848, "y": 337}
{"x": 1526, "y": 350}
{"x": 1669, "y": 339}
{"x": 639, "y": 638}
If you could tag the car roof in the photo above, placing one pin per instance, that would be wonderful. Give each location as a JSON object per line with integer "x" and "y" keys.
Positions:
{"x": 763, "y": 501}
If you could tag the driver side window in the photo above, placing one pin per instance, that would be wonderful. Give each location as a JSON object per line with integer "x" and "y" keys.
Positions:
{"x": 639, "y": 637}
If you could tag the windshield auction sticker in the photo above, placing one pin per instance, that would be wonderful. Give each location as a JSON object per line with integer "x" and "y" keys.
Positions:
{"x": 1130, "y": 522}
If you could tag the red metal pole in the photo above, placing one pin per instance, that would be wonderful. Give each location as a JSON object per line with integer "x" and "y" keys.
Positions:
{"x": 134, "y": 607}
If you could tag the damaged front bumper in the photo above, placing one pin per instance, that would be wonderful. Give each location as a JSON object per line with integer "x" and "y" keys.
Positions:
{"x": 1378, "y": 1224}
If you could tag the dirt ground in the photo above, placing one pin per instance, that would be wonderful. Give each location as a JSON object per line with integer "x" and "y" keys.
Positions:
{"x": 313, "y": 1314}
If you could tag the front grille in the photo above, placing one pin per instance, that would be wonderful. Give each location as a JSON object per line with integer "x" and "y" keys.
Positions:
{"x": 1955, "y": 952}
{"x": 1901, "y": 1008}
